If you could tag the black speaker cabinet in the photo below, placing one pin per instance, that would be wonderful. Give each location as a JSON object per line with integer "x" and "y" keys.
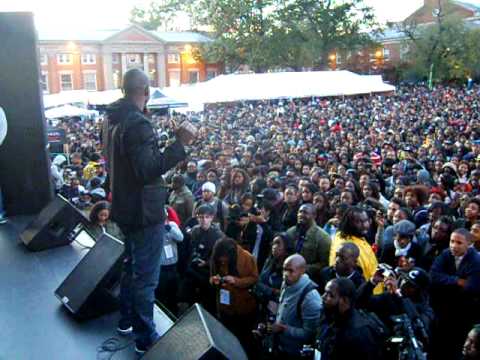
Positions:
{"x": 197, "y": 335}
{"x": 53, "y": 226}
{"x": 23, "y": 155}
{"x": 90, "y": 289}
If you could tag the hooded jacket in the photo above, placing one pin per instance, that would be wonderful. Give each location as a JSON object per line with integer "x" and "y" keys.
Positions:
{"x": 299, "y": 331}
{"x": 136, "y": 164}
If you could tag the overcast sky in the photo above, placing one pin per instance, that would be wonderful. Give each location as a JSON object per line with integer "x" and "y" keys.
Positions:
{"x": 103, "y": 14}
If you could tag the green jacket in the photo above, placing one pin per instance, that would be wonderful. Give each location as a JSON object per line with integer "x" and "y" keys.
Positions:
{"x": 315, "y": 250}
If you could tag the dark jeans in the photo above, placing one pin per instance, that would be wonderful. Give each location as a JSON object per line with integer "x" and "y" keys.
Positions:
{"x": 166, "y": 292}
{"x": 141, "y": 271}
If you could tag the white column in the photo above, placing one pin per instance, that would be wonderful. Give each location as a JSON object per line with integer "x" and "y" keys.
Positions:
{"x": 161, "y": 70}
{"x": 145, "y": 63}
{"x": 124, "y": 64}
{"x": 107, "y": 70}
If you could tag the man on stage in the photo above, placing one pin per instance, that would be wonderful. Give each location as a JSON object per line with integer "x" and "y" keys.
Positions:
{"x": 135, "y": 165}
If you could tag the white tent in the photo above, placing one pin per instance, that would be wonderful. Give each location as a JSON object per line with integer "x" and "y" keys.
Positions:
{"x": 68, "y": 111}
{"x": 238, "y": 87}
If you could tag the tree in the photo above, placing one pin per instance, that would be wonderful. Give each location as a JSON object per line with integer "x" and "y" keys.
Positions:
{"x": 320, "y": 28}
{"x": 267, "y": 34}
{"x": 446, "y": 50}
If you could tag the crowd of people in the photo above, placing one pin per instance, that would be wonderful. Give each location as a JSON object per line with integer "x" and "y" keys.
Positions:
{"x": 323, "y": 224}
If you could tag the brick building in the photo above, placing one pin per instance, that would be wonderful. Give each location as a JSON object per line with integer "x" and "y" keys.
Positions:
{"x": 394, "y": 44}
{"x": 97, "y": 60}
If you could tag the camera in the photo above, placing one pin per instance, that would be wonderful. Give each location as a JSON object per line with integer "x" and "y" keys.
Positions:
{"x": 386, "y": 270}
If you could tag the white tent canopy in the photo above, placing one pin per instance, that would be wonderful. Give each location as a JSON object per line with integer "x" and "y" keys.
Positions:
{"x": 238, "y": 87}
{"x": 82, "y": 98}
{"x": 68, "y": 111}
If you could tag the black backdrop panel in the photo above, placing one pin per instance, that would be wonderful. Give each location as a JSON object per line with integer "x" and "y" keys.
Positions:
{"x": 24, "y": 166}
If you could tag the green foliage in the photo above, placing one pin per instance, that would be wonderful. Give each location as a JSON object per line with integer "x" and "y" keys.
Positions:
{"x": 268, "y": 34}
{"x": 450, "y": 46}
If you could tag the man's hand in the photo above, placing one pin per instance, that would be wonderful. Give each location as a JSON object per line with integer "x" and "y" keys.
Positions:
{"x": 215, "y": 280}
{"x": 462, "y": 283}
{"x": 377, "y": 278}
{"x": 278, "y": 328}
{"x": 186, "y": 133}
{"x": 229, "y": 280}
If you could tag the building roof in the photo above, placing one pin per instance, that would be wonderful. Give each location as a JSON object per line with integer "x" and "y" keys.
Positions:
{"x": 69, "y": 35}
{"x": 181, "y": 37}
{"x": 468, "y": 6}
{"x": 101, "y": 35}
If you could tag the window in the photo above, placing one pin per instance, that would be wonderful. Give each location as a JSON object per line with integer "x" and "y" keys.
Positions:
{"x": 151, "y": 59}
{"x": 211, "y": 74}
{"x": 134, "y": 59}
{"x": 66, "y": 82}
{"x": 174, "y": 78}
{"x": 44, "y": 82}
{"x": 115, "y": 58}
{"x": 404, "y": 49}
{"x": 386, "y": 54}
{"x": 90, "y": 81}
{"x": 339, "y": 58}
{"x": 64, "y": 59}
{"x": 88, "y": 59}
{"x": 174, "y": 58}
{"x": 43, "y": 59}
{"x": 193, "y": 76}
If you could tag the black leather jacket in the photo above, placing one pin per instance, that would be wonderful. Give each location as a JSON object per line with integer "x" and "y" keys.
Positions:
{"x": 136, "y": 164}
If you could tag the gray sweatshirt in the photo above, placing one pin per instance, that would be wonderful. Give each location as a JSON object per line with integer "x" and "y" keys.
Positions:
{"x": 169, "y": 251}
{"x": 299, "y": 331}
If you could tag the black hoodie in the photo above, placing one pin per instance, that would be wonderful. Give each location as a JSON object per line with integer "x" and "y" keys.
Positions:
{"x": 136, "y": 164}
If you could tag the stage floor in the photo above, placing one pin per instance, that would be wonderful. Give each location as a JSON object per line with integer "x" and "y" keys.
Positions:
{"x": 33, "y": 323}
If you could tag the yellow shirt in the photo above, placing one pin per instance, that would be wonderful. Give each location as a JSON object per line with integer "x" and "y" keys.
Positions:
{"x": 367, "y": 259}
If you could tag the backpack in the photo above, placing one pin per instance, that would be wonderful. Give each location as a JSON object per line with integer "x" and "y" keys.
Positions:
{"x": 310, "y": 287}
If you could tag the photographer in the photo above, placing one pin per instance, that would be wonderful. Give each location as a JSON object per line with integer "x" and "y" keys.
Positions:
{"x": 233, "y": 271}
{"x": 406, "y": 295}
{"x": 299, "y": 310}
{"x": 195, "y": 286}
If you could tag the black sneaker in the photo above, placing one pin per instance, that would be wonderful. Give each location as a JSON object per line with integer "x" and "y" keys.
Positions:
{"x": 124, "y": 329}
{"x": 140, "y": 350}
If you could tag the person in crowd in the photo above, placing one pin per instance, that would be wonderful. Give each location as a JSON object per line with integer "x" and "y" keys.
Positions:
{"x": 233, "y": 272}
{"x": 181, "y": 198}
{"x": 166, "y": 292}
{"x": 310, "y": 240}
{"x": 438, "y": 241}
{"x": 100, "y": 221}
{"x": 475, "y": 231}
{"x": 471, "y": 348}
{"x": 415, "y": 198}
{"x": 299, "y": 310}
{"x": 353, "y": 228}
{"x": 407, "y": 293}
{"x": 190, "y": 175}
{"x": 345, "y": 332}
{"x": 288, "y": 213}
{"x": 137, "y": 164}
{"x": 90, "y": 170}
{"x": 208, "y": 197}
{"x": 345, "y": 266}
{"x": 455, "y": 284}
{"x": 472, "y": 212}
{"x": 57, "y": 170}
{"x": 404, "y": 249}
{"x": 322, "y": 207}
{"x": 269, "y": 283}
{"x": 240, "y": 182}
{"x": 195, "y": 285}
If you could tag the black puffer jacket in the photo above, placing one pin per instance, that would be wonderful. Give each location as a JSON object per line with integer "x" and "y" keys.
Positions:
{"x": 135, "y": 165}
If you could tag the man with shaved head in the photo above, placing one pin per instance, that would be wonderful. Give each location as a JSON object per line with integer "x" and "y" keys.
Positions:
{"x": 311, "y": 241}
{"x": 136, "y": 165}
{"x": 345, "y": 266}
{"x": 299, "y": 309}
